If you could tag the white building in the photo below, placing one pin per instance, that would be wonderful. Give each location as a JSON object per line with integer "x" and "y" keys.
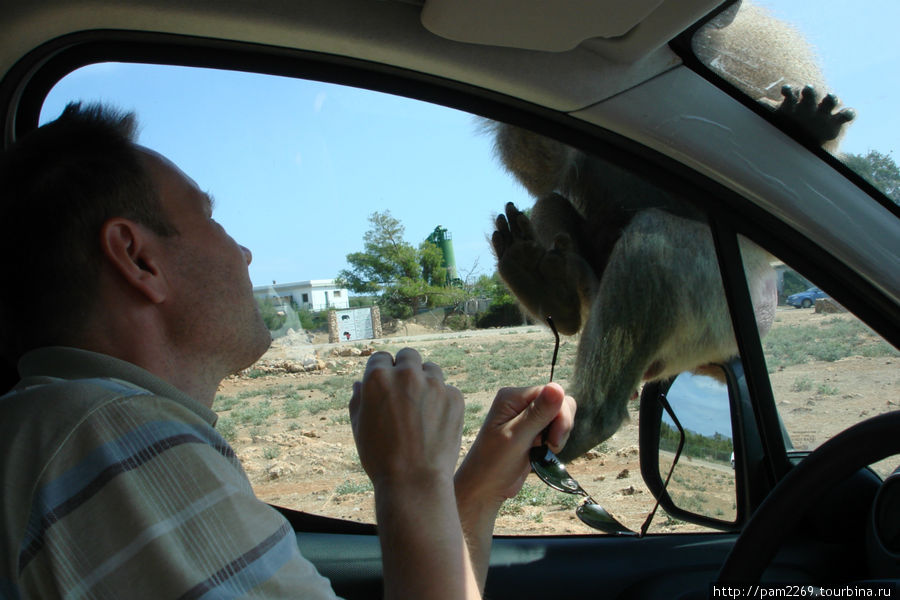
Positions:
{"x": 315, "y": 294}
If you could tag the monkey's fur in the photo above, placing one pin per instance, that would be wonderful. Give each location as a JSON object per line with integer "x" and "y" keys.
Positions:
{"x": 633, "y": 269}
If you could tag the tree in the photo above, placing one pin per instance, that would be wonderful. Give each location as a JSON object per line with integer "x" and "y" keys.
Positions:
{"x": 878, "y": 169}
{"x": 406, "y": 278}
{"x": 792, "y": 283}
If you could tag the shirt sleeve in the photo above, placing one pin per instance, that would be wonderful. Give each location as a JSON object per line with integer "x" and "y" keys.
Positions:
{"x": 144, "y": 499}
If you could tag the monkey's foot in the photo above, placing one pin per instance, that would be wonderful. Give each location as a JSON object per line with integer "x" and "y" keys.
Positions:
{"x": 817, "y": 117}
{"x": 555, "y": 281}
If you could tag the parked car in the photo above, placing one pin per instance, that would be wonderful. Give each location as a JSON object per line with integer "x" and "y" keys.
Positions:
{"x": 806, "y": 298}
{"x": 305, "y": 117}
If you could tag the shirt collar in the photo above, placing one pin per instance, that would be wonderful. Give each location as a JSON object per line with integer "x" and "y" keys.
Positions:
{"x": 75, "y": 363}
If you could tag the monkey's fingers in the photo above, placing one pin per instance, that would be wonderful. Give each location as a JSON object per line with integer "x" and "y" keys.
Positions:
{"x": 501, "y": 239}
{"x": 512, "y": 217}
{"x": 519, "y": 223}
{"x": 791, "y": 96}
{"x": 844, "y": 116}
{"x": 828, "y": 104}
{"x": 808, "y": 99}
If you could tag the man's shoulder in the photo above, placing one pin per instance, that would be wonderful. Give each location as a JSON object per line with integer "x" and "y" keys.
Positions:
{"x": 48, "y": 415}
{"x": 49, "y": 399}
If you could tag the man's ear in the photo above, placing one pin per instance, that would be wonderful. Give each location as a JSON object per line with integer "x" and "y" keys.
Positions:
{"x": 132, "y": 250}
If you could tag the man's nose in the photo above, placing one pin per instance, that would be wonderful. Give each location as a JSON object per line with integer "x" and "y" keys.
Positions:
{"x": 247, "y": 254}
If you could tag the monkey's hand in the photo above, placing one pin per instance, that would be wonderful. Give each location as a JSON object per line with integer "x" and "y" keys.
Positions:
{"x": 817, "y": 117}
{"x": 553, "y": 281}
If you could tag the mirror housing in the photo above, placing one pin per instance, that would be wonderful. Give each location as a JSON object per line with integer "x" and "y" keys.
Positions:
{"x": 651, "y": 432}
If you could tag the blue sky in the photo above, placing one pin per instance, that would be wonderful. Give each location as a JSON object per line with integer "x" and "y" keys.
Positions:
{"x": 701, "y": 405}
{"x": 296, "y": 167}
{"x": 858, "y": 45}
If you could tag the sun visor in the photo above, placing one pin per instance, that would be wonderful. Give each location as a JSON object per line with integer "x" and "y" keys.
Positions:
{"x": 637, "y": 26}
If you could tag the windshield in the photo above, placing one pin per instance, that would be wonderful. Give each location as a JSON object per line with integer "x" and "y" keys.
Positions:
{"x": 847, "y": 49}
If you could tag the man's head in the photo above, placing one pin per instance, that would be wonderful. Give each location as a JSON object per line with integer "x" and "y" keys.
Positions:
{"x": 58, "y": 185}
{"x": 74, "y": 191}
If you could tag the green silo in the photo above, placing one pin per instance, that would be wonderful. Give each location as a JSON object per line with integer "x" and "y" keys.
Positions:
{"x": 441, "y": 238}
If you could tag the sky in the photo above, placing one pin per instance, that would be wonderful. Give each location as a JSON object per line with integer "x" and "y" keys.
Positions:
{"x": 859, "y": 49}
{"x": 296, "y": 167}
{"x": 701, "y": 405}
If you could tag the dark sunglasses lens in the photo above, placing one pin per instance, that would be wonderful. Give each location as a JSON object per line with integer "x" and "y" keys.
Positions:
{"x": 551, "y": 471}
{"x": 595, "y": 516}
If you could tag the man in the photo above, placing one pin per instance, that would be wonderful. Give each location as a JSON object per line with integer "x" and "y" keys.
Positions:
{"x": 125, "y": 304}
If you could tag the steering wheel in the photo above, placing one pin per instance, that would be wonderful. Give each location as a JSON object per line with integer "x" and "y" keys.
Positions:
{"x": 838, "y": 458}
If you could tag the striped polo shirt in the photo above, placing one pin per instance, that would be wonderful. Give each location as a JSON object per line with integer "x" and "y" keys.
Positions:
{"x": 116, "y": 485}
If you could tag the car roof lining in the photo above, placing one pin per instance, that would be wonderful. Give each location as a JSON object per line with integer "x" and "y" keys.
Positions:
{"x": 621, "y": 31}
{"x": 386, "y": 32}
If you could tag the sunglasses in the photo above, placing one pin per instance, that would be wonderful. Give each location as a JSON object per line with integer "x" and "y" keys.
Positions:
{"x": 547, "y": 466}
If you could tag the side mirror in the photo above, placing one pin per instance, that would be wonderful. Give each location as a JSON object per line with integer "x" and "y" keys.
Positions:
{"x": 687, "y": 445}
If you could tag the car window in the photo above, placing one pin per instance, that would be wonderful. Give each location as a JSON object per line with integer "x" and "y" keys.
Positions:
{"x": 316, "y": 179}
{"x": 761, "y": 45}
{"x": 828, "y": 370}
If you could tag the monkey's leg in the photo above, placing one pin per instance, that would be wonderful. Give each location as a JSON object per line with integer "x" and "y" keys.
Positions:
{"x": 549, "y": 279}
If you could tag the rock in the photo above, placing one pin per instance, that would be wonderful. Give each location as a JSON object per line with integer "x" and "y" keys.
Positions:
{"x": 277, "y": 470}
{"x": 623, "y": 474}
{"x": 346, "y": 351}
{"x": 592, "y": 455}
{"x": 828, "y": 306}
{"x": 627, "y": 451}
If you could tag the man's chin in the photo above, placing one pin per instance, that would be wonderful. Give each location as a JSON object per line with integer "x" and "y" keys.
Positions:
{"x": 260, "y": 346}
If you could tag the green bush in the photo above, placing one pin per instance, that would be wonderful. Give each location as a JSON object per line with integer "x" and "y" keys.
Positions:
{"x": 313, "y": 320}
{"x": 271, "y": 315}
{"x": 802, "y": 384}
{"x": 458, "y": 322}
{"x": 362, "y": 301}
{"x": 226, "y": 429}
{"x": 792, "y": 284}
{"x": 503, "y": 313}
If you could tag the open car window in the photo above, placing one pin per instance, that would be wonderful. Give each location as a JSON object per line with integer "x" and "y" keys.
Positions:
{"x": 317, "y": 179}
{"x": 839, "y": 49}
{"x": 828, "y": 370}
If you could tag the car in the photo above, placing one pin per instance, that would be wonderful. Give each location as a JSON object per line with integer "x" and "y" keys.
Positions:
{"x": 806, "y": 298}
{"x": 313, "y": 121}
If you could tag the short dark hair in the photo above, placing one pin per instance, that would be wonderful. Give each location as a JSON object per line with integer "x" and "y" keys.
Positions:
{"x": 58, "y": 185}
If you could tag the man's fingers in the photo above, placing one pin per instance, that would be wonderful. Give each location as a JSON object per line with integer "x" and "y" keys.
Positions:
{"x": 561, "y": 426}
{"x": 354, "y": 397}
{"x": 433, "y": 370}
{"x": 407, "y": 357}
{"x": 543, "y": 410}
{"x": 550, "y": 409}
{"x": 378, "y": 360}
{"x": 529, "y": 410}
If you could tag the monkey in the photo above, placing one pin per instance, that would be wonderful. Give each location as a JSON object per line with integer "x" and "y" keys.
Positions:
{"x": 631, "y": 267}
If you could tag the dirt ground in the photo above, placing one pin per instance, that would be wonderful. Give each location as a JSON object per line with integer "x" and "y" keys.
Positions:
{"x": 287, "y": 420}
